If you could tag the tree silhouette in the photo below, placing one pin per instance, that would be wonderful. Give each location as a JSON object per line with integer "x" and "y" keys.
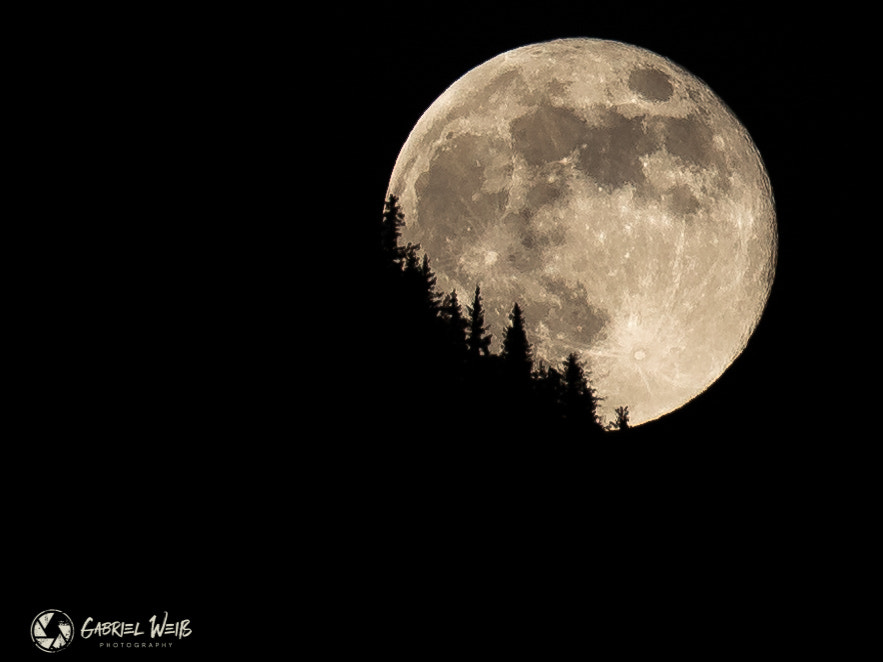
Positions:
{"x": 452, "y": 315}
{"x": 427, "y": 287}
{"x": 549, "y": 388}
{"x": 579, "y": 399}
{"x": 410, "y": 261}
{"x": 391, "y": 224}
{"x": 516, "y": 349}
{"x": 478, "y": 341}
{"x": 622, "y": 419}
{"x": 419, "y": 332}
{"x": 412, "y": 286}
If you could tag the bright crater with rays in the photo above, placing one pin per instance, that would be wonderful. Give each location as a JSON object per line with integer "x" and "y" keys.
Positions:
{"x": 614, "y": 197}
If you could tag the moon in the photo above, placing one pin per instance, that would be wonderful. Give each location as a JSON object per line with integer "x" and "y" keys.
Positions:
{"x": 612, "y": 195}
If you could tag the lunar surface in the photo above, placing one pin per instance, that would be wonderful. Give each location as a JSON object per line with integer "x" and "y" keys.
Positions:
{"x": 614, "y": 197}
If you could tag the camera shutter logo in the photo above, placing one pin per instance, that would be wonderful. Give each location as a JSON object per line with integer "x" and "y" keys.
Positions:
{"x": 52, "y": 631}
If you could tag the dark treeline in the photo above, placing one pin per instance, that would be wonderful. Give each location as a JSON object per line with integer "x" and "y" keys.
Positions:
{"x": 435, "y": 374}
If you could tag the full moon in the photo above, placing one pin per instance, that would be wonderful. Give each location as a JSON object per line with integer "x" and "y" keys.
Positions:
{"x": 614, "y": 197}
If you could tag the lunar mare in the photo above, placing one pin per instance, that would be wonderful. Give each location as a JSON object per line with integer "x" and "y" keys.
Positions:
{"x": 614, "y": 197}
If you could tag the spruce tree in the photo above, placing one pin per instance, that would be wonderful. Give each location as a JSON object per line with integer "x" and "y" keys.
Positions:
{"x": 456, "y": 324}
{"x": 419, "y": 285}
{"x": 478, "y": 341}
{"x": 579, "y": 399}
{"x": 427, "y": 286}
{"x": 517, "y": 352}
{"x": 392, "y": 222}
{"x": 622, "y": 418}
{"x": 549, "y": 383}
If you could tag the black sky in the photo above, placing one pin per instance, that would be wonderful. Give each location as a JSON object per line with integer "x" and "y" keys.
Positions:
{"x": 192, "y": 203}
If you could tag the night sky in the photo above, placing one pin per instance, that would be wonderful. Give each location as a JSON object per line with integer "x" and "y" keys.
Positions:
{"x": 195, "y": 199}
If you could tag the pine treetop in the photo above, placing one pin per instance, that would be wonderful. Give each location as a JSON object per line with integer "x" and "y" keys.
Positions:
{"x": 478, "y": 339}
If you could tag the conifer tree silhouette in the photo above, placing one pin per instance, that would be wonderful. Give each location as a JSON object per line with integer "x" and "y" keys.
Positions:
{"x": 622, "y": 418}
{"x": 548, "y": 389}
{"x": 580, "y": 401}
{"x": 422, "y": 299}
{"x": 516, "y": 351}
{"x": 410, "y": 261}
{"x": 456, "y": 324}
{"x": 391, "y": 224}
{"x": 412, "y": 284}
{"x": 419, "y": 327}
{"x": 478, "y": 341}
{"x": 428, "y": 282}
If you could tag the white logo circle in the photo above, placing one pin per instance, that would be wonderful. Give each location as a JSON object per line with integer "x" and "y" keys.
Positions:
{"x": 52, "y": 631}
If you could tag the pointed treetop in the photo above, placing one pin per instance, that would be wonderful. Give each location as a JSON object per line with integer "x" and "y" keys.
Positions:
{"x": 452, "y": 315}
{"x": 392, "y": 222}
{"x": 478, "y": 340}
{"x": 516, "y": 348}
{"x": 580, "y": 399}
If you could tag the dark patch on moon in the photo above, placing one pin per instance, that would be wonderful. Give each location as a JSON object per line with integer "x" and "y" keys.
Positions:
{"x": 652, "y": 84}
{"x": 691, "y": 140}
{"x": 679, "y": 200}
{"x": 532, "y": 241}
{"x": 500, "y": 83}
{"x": 449, "y": 193}
{"x": 543, "y": 193}
{"x": 610, "y": 152}
{"x": 546, "y": 134}
{"x": 613, "y": 151}
{"x": 525, "y": 254}
{"x": 557, "y": 88}
{"x": 576, "y": 311}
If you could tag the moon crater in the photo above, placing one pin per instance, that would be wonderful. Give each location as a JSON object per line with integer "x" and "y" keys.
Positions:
{"x": 611, "y": 194}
